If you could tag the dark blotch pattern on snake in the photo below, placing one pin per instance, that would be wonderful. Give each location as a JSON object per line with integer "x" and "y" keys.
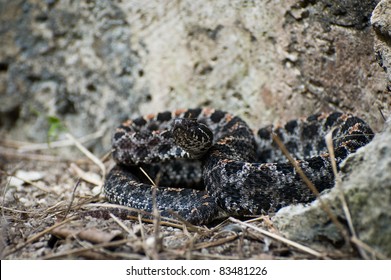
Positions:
{"x": 209, "y": 164}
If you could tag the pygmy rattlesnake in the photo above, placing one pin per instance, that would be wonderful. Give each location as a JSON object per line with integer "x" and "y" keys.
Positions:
{"x": 208, "y": 163}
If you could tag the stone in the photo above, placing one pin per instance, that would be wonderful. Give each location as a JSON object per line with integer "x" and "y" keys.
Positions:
{"x": 92, "y": 64}
{"x": 381, "y": 23}
{"x": 366, "y": 185}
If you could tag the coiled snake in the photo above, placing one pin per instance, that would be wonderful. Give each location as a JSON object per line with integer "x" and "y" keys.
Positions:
{"x": 209, "y": 164}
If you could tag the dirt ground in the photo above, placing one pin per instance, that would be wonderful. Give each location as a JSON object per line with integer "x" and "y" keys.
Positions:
{"x": 52, "y": 208}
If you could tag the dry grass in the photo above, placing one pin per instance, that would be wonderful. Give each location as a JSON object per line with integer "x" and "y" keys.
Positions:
{"x": 49, "y": 218}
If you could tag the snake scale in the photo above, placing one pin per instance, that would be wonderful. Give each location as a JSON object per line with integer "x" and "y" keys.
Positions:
{"x": 209, "y": 164}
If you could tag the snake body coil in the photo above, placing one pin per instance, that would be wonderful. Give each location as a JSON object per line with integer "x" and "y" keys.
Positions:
{"x": 209, "y": 164}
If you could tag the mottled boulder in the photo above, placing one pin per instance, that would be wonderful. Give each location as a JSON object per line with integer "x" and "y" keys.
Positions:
{"x": 94, "y": 63}
{"x": 366, "y": 184}
{"x": 381, "y": 22}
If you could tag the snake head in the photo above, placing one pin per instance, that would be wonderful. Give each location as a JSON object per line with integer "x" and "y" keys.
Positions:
{"x": 192, "y": 136}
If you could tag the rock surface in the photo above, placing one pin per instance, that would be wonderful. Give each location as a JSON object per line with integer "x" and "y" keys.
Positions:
{"x": 94, "y": 63}
{"x": 381, "y": 22}
{"x": 366, "y": 184}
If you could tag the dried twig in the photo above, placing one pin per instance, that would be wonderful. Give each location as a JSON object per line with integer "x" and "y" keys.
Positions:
{"x": 83, "y": 175}
{"x": 72, "y": 198}
{"x": 37, "y": 236}
{"x": 92, "y": 235}
{"x": 213, "y": 243}
{"x": 170, "y": 224}
{"x": 142, "y": 231}
{"x": 83, "y": 250}
{"x": 122, "y": 225}
{"x": 156, "y": 217}
{"x": 16, "y": 210}
{"x": 12, "y": 153}
{"x": 367, "y": 248}
{"x": 381, "y": 114}
{"x": 26, "y": 147}
{"x": 338, "y": 186}
{"x": 311, "y": 186}
{"x": 281, "y": 239}
{"x": 214, "y": 256}
{"x": 88, "y": 154}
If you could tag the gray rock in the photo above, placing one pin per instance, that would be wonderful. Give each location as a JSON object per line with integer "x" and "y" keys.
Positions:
{"x": 381, "y": 22}
{"x": 94, "y": 63}
{"x": 366, "y": 184}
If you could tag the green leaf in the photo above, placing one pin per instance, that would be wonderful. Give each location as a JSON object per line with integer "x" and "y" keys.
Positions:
{"x": 56, "y": 127}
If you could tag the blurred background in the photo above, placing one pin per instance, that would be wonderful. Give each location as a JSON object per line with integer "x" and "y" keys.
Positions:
{"x": 84, "y": 66}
